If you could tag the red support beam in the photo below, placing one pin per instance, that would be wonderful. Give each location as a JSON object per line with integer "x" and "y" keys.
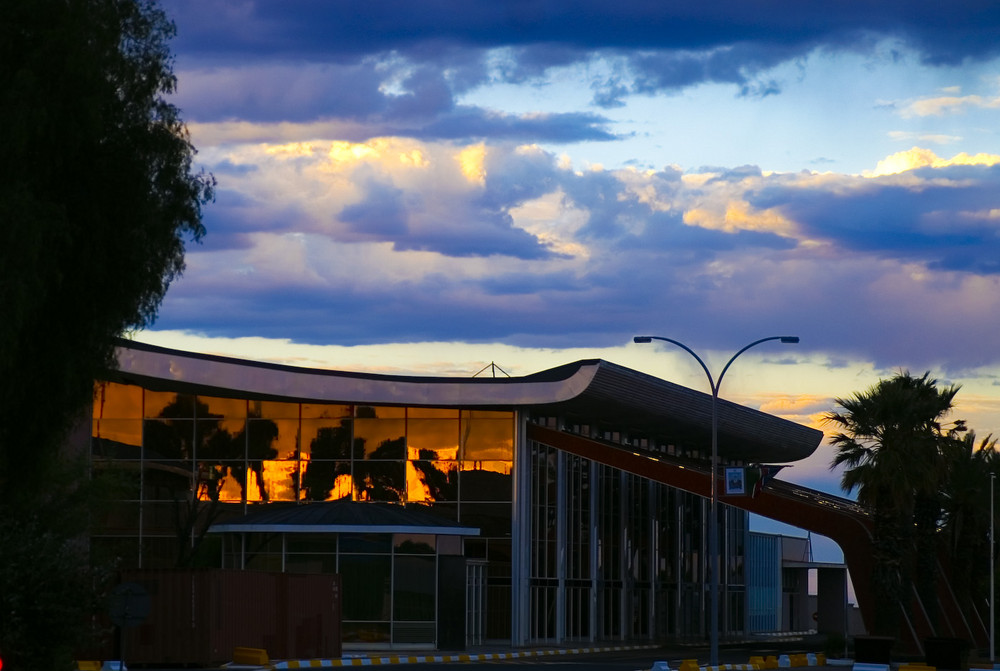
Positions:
{"x": 839, "y": 519}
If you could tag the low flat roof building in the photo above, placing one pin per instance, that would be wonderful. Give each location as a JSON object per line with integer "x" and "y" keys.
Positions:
{"x": 515, "y": 489}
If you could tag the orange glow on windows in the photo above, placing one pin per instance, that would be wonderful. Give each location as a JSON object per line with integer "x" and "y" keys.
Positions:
{"x": 126, "y": 431}
{"x": 227, "y": 484}
{"x": 235, "y": 408}
{"x": 486, "y": 437}
{"x": 502, "y": 467}
{"x": 343, "y": 487}
{"x": 117, "y": 401}
{"x": 281, "y": 480}
{"x": 416, "y": 488}
{"x": 432, "y": 438}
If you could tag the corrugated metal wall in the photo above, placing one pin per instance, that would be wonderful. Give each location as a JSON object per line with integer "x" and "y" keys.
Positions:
{"x": 200, "y": 616}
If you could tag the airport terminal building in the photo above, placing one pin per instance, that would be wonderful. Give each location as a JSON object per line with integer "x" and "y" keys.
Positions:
{"x": 456, "y": 510}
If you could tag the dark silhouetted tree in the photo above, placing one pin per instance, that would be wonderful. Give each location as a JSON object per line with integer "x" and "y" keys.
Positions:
{"x": 891, "y": 443}
{"x": 97, "y": 198}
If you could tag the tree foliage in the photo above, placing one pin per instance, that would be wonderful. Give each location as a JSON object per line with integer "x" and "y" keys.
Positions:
{"x": 925, "y": 481}
{"x": 98, "y": 197}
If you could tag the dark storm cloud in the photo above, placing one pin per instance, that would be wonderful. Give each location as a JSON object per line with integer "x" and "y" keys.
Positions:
{"x": 421, "y": 105}
{"x": 692, "y": 244}
{"x": 418, "y": 221}
{"x": 381, "y": 214}
{"x": 945, "y": 32}
{"x": 397, "y": 66}
{"x": 946, "y": 221}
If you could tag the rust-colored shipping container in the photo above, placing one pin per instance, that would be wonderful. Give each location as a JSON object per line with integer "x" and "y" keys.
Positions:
{"x": 199, "y": 616}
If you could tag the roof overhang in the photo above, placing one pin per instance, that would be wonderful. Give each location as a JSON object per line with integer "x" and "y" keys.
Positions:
{"x": 343, "y": 517}
{"x": 592, "y": 392}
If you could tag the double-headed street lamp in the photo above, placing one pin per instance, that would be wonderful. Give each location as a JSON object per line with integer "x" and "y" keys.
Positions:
{"x": 713, "y": 520}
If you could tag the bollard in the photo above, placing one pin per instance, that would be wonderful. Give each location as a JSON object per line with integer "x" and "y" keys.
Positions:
{"x": 689, "y": 665}
{"x": 250, "y": 656}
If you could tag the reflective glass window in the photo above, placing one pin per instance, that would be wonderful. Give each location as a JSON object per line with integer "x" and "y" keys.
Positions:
{"x": 281, "y": 480}
{"x": 432, "y": 413}
{"x": 326, "y": 480}
{"x": 167, "y": 481}
{"x": 230, "y": 408}
{"x": 168, "y": 439}
{"x": 328, "y": 439}
{"x": 365, "y": 544}
{"x": 381, "y": 438}
{"x": 429, "y": 481}
{"x": 486, "y": 481}
{"x": 432, "y": 438}
{"x": 167, "y": 404}
{"x": 413, "y": 544}
{"x": 326, "y": 411}
{"x": 117, "y": 438}
{"x": 380, "y": 412}
{"x": 226, "y": 481}
{"x": 273, "y": 410}
{"x": 487, "y": 437}
{"x": 117, "y": 401}
{"x": 379, "y": 481}
{"x": 273, "y": 439}
{"x": 220, "y": 439}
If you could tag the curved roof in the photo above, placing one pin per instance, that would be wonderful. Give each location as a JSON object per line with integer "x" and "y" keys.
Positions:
{"x": 593, "y": 392}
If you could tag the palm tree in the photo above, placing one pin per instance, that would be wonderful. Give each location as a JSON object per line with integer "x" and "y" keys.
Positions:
{"x": 965, "y": 520}
{"x": 890, "y": 442}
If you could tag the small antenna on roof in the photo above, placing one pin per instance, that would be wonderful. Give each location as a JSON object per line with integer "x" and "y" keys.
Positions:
{"x": 492, "y": 365}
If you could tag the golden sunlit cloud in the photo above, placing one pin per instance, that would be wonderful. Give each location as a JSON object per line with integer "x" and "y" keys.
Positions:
{"x": 471, "y": 160}
{"x": 738, "y": 216}
{"x": 292, "y": 149}
{"x": 923, "y": 158}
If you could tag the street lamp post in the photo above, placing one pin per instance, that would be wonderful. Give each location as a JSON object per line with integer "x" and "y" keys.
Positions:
{"x": 713, "y": 520}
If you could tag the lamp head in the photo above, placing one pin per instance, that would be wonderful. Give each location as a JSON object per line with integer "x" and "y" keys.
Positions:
{"x": 642, "y": 339}
{"x": 789, "y": 339}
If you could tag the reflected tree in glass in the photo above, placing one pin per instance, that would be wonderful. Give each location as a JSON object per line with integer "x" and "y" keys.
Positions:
{"x": 330, "y": 458}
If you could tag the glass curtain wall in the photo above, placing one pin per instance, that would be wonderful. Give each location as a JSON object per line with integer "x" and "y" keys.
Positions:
{"x": 177, "y": 463}
{"x": 633, "y": 547}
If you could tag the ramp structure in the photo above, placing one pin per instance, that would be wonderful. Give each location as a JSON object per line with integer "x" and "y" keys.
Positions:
{"x": 844, "y": 521}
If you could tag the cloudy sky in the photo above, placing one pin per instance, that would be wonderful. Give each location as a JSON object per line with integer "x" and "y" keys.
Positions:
{"x": 430, "y": 186}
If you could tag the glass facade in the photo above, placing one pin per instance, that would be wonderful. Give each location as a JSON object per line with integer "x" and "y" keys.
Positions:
{"x": 183, "y": 462}
{"x": 606, "y": 554}
{"x": 615, "y": 556}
